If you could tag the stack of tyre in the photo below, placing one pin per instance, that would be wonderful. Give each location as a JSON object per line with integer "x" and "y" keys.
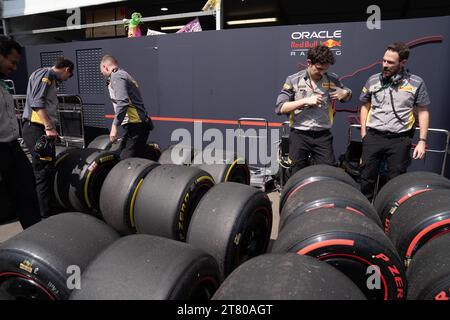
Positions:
{"x": 323, "y": 215}
{"x": 415, "y": 212}
{"x": 230, "y": 224}
{"x": 166, "y": 231}
{"x": 222, "y": 165}
{"x": 329, "y": 237}
{"x": 169, "y": 231}
{"x": 395, "y": 249}
{"x": 80, "y": 173}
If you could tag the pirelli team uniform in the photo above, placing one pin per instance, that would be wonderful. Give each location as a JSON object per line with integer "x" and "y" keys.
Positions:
{"x": 310, "y": 126}
{"x": 130, "y": 113}
{"x": 41, "y": 94}
{"x": 390, "y": 124}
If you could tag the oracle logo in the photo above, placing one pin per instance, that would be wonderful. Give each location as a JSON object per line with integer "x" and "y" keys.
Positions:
{"x": 324, "y": 34}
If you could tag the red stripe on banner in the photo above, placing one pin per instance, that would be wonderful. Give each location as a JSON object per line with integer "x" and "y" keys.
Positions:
{"x": 211, "y": 121}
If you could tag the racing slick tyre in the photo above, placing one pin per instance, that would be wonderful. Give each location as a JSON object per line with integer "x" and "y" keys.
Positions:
{"x": 326, "y": 194}
{"x": 223, "y": 165}
{"x": 167, "y": 198}
{"x": 353, "y": 244}
{"x": 144, "y": 267}
{"x": 152, "y": 152}
{"x": 429, "y": 272}
{"x": 287, "y": 277}
{"x": 312, "y": 174}
{"x": 234, "y": 172}
{"x": 79, "y": 178}
{"x": 177, "y": 154}
{"x": 103, "y": 142}
{"x": 233, "y": 223}
{"x": 402, "y": 188}
{"x": 119, "y": 190}
{"x": 38, "y": 262}
{"x": 419, "y": 220}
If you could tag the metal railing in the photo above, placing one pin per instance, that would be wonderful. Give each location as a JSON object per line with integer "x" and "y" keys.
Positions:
{"x": 260, "y": 176}
{"x": 70, "y": 116}
{"x": 443, "y": 151}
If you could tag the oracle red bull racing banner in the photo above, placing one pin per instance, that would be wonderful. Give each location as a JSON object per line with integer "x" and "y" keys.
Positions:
{"x": 302, "y": 41}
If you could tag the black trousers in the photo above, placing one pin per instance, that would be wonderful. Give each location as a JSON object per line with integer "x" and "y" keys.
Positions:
{"x": 317, "y": 144}
{"x": 44, "y": 170}
{"x": 375, "y": 148}
{"x": 17, "y": 179}
{"x": 134, "y": 141}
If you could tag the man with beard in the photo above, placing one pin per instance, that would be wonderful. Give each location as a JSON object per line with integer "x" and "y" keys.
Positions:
{"x": 391, "y": 98}
{"x": 16, "y": 173}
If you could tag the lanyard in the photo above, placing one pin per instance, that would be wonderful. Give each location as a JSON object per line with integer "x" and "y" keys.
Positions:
{"x": 311, "y": 84}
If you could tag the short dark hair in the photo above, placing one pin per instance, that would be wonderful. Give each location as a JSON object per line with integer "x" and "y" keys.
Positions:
{"x": 7, "y": 45}
{"x": 107, "y": 58}
{"x": 62, "y": 63}
{"x": 401, "y": 48}
{"x": 320, "y": 54}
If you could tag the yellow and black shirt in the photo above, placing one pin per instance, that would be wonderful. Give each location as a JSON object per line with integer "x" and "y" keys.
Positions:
{"x": 41, "y": 94}
{"x": 126, "y": 98}
{"x": 298, "y": 86}
{"x": 402, "y": 97}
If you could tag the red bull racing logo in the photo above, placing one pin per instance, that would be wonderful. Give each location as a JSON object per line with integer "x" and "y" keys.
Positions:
{"x": 331, "y": 43}
{"x": 301, "y": 42}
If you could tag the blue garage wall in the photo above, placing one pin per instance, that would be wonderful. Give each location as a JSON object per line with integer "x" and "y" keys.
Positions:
{"x": 238, "y": 73}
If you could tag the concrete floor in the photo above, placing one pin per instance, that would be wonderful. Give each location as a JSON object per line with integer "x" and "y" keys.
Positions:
{"x": 9, "y": 230}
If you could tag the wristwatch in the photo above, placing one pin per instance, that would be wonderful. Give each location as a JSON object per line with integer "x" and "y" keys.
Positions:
{"x": 421, "y": 139}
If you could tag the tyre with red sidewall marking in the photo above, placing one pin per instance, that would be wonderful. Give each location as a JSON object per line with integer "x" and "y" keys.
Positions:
{"x": 326, "y": 194}
{"x": 311, "y": 174}
{"x": 402, "y": 188}
{"x": 429, "y": 272}
{"x": 419, "y": 220}
{"x": 353, "y": 244}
